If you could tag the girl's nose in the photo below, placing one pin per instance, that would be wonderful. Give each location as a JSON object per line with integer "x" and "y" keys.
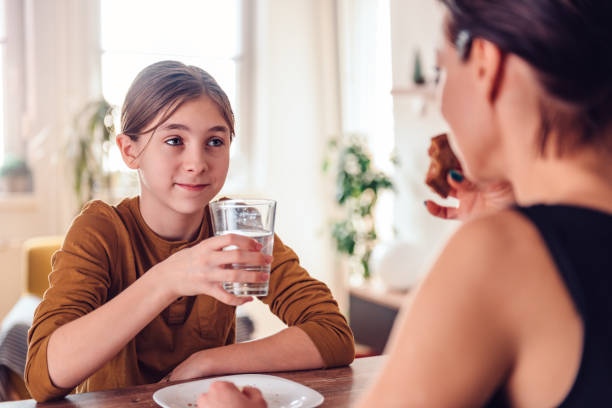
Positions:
{"x": 195, "y": 161}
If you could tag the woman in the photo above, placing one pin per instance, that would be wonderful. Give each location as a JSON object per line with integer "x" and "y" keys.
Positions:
{"x": 515, "y": 311}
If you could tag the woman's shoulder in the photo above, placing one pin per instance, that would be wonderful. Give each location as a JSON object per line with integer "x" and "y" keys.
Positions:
{"x": 496, "y": 252}
{"x": 495, "y": 265}
{"x": 498, "y": 234}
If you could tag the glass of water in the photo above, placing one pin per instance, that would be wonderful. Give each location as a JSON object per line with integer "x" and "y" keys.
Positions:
{"x": 251, "y": 218}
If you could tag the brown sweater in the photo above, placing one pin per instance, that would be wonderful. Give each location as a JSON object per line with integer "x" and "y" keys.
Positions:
{"x": 108, "y": 247}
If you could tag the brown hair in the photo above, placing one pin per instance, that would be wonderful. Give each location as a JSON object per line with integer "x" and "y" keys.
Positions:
{"x": 161, "y": 88}
{"x": 569, "y": 45}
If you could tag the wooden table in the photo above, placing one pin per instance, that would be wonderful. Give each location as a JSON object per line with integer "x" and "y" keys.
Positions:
{"x": 341, "y": 387}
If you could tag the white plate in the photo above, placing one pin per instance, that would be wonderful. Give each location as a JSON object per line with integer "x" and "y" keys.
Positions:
{"x": 278, "y": 392}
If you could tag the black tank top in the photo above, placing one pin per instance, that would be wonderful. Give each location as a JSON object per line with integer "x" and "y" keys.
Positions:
{"x": 580, "y": 242}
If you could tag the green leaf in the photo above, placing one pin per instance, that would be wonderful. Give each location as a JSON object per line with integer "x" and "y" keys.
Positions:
{"x": 358, "y": 183}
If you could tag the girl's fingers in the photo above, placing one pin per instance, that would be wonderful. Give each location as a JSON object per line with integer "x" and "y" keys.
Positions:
{"x": 236, "y": 275}
{"x": 235, "y": 240}
{"x": 223, "y": 296}
{"x": 241, "y": 257}
{"x": 235, "y": 300}
{"x": 448, "y": 213}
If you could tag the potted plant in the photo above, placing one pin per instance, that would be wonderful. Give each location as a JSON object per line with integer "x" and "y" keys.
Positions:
{"x": 358, "y": 184}
{"x": 15, "y": 176}
{"x": 93, "y": 130}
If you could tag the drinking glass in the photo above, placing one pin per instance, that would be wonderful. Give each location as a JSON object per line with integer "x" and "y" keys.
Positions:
{"x": 253, "y": 219}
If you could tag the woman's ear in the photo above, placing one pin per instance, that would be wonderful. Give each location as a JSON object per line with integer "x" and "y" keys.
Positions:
{"x": 488, "y": 63}
{"x": 128, "y": 150}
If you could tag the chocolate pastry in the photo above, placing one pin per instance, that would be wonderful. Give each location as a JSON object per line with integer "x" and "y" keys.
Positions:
{"x": 442, "y": 161}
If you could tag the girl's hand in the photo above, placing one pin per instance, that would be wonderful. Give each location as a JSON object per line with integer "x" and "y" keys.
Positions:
{"x": 473, "y": 200}
{"x": 222, "y": 394}
{"x": 202, "y": 268}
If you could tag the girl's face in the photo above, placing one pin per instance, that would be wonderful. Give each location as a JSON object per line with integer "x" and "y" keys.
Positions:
{"x": 183, "y": 164}
{"x": 468, "y": 113}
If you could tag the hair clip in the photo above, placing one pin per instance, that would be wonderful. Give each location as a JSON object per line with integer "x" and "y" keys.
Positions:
{"x": 463, "y": 43}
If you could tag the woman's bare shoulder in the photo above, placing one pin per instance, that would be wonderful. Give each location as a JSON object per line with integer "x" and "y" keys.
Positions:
{"x": 468, "y": 296}
{"x": 505, "y": 226}
{"x": 499, "y": 260}
{"x": 492, "y": 258}
{"x": 506, "y": 236}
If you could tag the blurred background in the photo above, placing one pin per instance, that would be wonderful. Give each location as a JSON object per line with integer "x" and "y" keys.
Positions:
{"x": 299, "y": 73}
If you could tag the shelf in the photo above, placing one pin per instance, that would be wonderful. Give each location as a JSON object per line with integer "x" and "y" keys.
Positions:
{"x": 372, "y": 313}
{"x": 378, "y": 294}
{"x": 427, "y": 91}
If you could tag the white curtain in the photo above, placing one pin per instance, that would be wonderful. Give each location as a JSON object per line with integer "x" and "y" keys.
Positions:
{"x": 364, "y": 39}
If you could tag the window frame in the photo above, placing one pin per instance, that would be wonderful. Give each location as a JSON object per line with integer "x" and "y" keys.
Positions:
{"x": 240, "y": 163}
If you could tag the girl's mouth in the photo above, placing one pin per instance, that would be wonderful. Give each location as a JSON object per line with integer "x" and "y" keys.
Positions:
{"x": 192, "y": 187}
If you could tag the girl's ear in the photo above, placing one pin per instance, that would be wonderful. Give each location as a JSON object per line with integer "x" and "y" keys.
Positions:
{"x": 128, "y": 149}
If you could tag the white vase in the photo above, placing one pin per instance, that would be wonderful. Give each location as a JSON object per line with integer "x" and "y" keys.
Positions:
{"x": 398, "y": 265}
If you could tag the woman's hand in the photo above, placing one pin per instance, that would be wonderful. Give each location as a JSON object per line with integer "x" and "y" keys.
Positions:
{"x": 202, "y": 268}
{"x": 222, "y": 394}
{"x": 473, "y": 199}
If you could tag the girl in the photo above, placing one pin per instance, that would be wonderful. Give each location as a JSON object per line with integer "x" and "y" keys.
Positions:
{"x": 135, "y": 292}
{"x": 516, "y": 309}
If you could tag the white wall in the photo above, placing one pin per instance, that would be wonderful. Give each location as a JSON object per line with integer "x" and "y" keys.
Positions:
{"x": 295, "y": 112}
{"x": 60, "y": 61}
{"x": 294, "y": 117}
{"x": 416, "y": 25}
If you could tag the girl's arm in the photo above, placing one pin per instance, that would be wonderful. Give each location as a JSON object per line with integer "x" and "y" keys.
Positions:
{"x": 99, "y": 335}
{"x": 77, "y": 329}
{"x": 289, "y": 349}
{"x": 318, "y": 334}
{"x": 79, "y": 348}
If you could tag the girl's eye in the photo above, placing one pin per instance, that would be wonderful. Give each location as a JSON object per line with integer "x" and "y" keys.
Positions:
{"x": 174, "y": 141}
{"x": 215, "y": 142}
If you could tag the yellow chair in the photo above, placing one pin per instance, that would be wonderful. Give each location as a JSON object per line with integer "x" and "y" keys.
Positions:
{"x": 37, "y": 253}
{"x": 37, "y": 262}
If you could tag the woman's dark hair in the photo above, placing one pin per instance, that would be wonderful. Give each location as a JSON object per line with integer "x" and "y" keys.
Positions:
{"x": 161, "y": 88}
{"x": 568, "y": 43}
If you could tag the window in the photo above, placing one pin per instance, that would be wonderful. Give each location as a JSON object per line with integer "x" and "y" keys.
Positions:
{"x": 365, "y": 60}
{"x": 2, "y": 79}
{"x": 2, "y": 59}
{"x": 12, "y": 85}
{"x": 136, "y": 33}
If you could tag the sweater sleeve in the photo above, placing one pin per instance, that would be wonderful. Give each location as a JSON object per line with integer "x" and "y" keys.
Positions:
{"x": 78, "y": 283}
{"x": 302, "y": 301}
